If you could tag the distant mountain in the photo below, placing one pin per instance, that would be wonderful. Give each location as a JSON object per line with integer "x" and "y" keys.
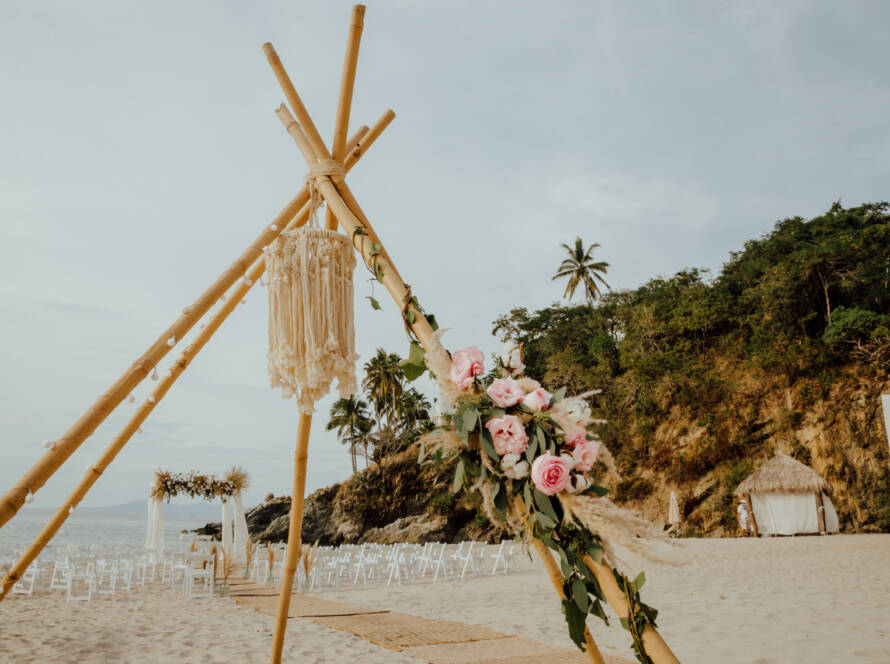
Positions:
{"x": 138, "y": 509}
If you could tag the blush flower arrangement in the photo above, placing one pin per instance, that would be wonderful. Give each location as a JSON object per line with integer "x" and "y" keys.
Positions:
{"x": 530, "y": 453}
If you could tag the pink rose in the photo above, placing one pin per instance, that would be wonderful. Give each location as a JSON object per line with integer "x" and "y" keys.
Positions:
{"x": 550, "y": 473}
{"x": 505, "y": 392}
{"x": 507, "y": 434}
{"x": 585, "y": 454}
{"x": 466, "y": 364}
{"x": 537, "y": 399}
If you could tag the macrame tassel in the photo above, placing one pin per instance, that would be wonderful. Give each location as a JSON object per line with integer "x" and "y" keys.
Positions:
{"x": 311, "y": 327}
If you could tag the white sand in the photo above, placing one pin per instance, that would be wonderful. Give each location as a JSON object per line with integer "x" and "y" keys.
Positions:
{"x": 736, "y": 601}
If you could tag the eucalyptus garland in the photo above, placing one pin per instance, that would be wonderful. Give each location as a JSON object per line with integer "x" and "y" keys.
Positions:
{"x": 530, "y": 453}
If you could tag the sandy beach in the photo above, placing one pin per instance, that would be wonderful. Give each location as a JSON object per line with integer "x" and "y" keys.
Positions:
{"x": 766, "y": 601}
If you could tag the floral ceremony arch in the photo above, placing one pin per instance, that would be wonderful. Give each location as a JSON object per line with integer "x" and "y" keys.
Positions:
{"x": 168, "y": 485}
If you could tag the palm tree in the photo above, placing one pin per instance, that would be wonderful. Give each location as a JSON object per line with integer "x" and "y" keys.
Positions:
{"x": 413, "y": 409}
{"x": 580, "y": 267}
{"x": 384, "y": 382}
{"x": 350, "y": 418}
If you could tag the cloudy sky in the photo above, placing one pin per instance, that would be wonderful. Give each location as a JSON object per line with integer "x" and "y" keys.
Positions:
{"x": 139, "y": 155}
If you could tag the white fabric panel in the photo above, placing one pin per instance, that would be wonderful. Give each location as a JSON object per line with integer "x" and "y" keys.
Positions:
{"x": 786, "y": 513}
{"x": 674, "y": 509}
{"x": 832, "y": 524}
{"x": 227, "y": 526}
{"x": 154, "y": 536}
{"x": 240, "y": 529}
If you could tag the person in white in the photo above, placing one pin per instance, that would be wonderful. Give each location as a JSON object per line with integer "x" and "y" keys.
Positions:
{"x": 742, "y": 515}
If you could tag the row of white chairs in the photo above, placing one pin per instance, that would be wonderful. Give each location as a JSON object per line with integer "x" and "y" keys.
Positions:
{"x": 387, "y": 563}
{"x": 83, "y": 572}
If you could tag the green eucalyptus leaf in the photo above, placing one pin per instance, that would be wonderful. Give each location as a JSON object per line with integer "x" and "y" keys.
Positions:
{"x": 375, "y": 249}
{"x": 378, "y": 270}
{"x": 488, "y": 446}
{"x": 575, "y": 619}
{"x": 458, "y": 477}
{"x": 639, "y": 581}
{"x": 431, "y": 319}
{"x": 597, "y": 610}
{"x": 500, "y": 504}
{"x": 412, "y": 371}
{"x": 375, "y": 305}
{"x": 545, "y": 521}
{"x": 543, "y": 504}
{"x": 579, "y": 595}
{"x": 559, "y": 395}
{"x": 416, "y": 354}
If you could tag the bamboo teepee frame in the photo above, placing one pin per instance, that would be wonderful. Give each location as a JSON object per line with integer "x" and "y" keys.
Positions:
{"x": 342, "y": 208}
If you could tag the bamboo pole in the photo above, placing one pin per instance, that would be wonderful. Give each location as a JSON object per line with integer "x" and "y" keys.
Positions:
{"x": 344, "y": 100}
{"x": 820, "y": 511}
{"x": 656, "y": 648}
{"x": 362, "y": 141}
{"x": 295, "y": 527}
{"x": 751, "y": 513}
{"x": 317, "y": 148}
{"x": 294, "y": 533}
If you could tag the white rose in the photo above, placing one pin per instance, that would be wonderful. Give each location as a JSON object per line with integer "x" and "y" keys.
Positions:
{"x": 513, "y": 467}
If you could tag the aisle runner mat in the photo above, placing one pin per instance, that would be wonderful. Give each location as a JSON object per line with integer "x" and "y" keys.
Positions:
{"x": 432, "y": 641}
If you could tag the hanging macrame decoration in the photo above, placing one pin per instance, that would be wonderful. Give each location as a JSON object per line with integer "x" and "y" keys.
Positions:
{"x": 311, "y": 328}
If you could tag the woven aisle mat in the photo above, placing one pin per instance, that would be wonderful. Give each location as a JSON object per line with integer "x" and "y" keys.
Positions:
{"x": 506, "y": 650}
{"x": 397, "y": 631}
{"x": 303, "y": 607}
{"x": 253, "y": 591}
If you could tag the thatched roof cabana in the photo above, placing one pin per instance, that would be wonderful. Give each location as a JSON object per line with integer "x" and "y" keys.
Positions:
{"x": 782, "y": 474}
{"x": 788, "y": 498}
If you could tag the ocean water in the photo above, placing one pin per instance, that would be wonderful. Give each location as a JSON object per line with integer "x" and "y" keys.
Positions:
{"x": 85, "y": 530}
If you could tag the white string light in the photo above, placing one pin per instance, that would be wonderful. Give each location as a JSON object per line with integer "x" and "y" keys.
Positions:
{"x": 247, "y": 281}
{"x": 261, "y": 282}
{"x": 274, "y": 227}
{"x": 154, "y": 374}
{"x": 139, "y": 430}
{"x": 151, "y": 399}
{"x": 30, "y": 497}
{"x": 171, "y": 342}
{"x": 244, "y": 301}
{"x": 49, "y": 444}
{"x": 131, "y": 398}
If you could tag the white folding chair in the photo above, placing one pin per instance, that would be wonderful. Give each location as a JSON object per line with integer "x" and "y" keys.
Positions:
{"x": 80, "y": 578}
{"x": 105, "y": 575}
{"x": 25, "y": 585}
{"x": 200, "y": 576}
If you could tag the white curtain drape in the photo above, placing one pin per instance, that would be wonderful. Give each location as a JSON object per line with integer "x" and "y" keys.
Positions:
{"x": 240, "y": 553}
{"x": 227, "y": 526}
{"x": 154, "y": 536}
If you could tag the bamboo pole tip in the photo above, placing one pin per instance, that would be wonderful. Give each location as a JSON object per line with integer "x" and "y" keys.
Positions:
{"x": 358, "y": 15}
{"x": 269, "y": 50}
{"x": 389, "y": 115}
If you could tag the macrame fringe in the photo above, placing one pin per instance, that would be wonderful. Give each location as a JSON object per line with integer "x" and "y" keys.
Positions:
{"x": 311, "y": 326}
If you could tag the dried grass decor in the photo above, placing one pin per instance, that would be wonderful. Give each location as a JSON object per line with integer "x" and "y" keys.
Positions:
{"x": 228, "y": 564}
{"x": 250, "y": 548}
{"x": 307, "y": 557}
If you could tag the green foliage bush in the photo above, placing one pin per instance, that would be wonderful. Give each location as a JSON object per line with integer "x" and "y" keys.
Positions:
{"x": 785, "y": 305}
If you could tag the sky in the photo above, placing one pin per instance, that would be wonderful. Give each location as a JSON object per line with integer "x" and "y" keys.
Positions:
{"x": 140, "y": 154}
